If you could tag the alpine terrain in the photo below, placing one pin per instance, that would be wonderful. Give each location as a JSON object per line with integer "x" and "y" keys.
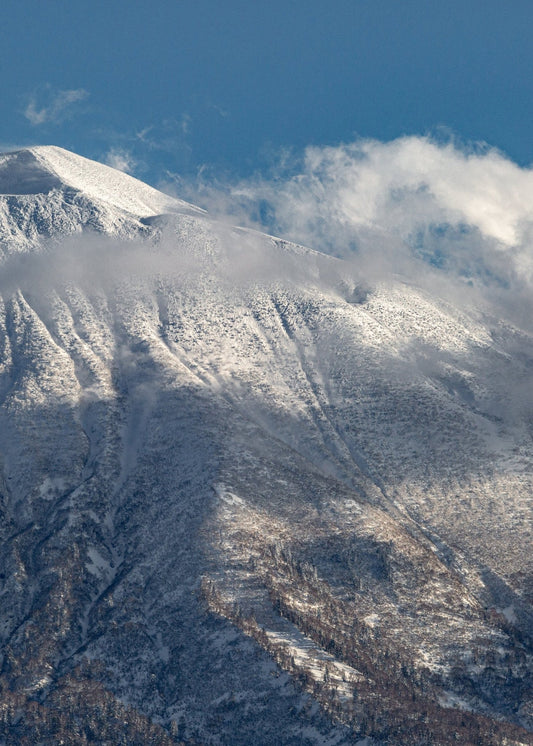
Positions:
{"x": 247, "y": 496}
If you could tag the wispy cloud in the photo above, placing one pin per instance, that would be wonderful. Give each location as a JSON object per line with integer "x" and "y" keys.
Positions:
{"x": 442, "y": 227}
{"x": 186, "y": 121}
{"x": 50, "y": 106}
{"x": 167, "y": 135}
{"x": 143, "y": 150}
{"x": 121, "y": 159}
{"x": 453, "y": 222}
{"x": 224, "y": 113}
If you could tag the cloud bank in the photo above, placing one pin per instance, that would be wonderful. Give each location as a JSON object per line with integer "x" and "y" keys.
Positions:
{"x": 456, "y": 220}
{"x": 466, "y": 211}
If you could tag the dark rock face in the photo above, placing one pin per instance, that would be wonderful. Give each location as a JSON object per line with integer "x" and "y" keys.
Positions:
{"x": 238, "y": 509}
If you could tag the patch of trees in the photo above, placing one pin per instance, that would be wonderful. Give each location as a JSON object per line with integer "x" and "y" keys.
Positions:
{"x": 392, "y": 700}
{"x": 40, "y": 704}
{"x": 77, "y": 711}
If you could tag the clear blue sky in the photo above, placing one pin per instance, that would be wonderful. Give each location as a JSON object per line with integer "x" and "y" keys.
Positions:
{"x": 178, "y": 84}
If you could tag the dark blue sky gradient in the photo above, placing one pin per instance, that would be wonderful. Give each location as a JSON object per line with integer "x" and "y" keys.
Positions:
{"x": 228, "y": 84}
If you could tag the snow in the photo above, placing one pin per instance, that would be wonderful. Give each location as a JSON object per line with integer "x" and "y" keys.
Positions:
{"x": 98, "y": 181}
{"x": 509, "y": 614}
{"x": 51, "y": 487}
{"x": 450, "y": 699}
{"x": 228, "y": 497}
{"x": 41, "y": 169}
{"x": 98, "y": 565}
{"x": 361, "y": 437}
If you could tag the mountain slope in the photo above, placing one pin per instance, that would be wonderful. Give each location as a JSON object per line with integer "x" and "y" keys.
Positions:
{"x": 47, "y": 192}
{"x": 225, "y": 457}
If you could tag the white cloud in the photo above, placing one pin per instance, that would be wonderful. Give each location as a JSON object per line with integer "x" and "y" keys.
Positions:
{"x": 469, "y": 211}
{"x": 52, "y": 106}
{"x": 457, "y": 220}
{"x": 167, "y": 135}
{"x": 399, "y": 184}
{"x": 120, "y": 159}
{"x": 186, "y": 121}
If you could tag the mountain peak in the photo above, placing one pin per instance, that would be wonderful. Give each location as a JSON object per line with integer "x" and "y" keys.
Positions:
{"x": 22, "y": 173}
{"x": 44, "y": 168}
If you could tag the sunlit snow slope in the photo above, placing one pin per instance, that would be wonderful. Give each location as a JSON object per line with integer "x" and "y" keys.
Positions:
{"x": 48, "y": 192}
{"x": 237, "y": 481}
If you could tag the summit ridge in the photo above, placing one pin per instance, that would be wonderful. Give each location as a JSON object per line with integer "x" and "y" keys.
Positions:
{"x": 42, "y": 168}
{"x": 48, "y": 193}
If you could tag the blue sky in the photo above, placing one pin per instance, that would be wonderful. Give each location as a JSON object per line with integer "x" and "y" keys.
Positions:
{"x": 180, "y": 85}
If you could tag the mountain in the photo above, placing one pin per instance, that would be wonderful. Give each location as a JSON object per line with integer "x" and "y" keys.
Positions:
{"x": 248, "y": 496}
{"x": 49, "y": 192}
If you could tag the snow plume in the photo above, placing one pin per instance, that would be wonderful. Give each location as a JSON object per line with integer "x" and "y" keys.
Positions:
{"x": 411, "y": 206}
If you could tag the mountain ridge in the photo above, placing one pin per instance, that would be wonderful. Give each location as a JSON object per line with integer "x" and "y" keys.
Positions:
{"x": 48, "y": 193}
{"x": 44, "y": 167}
{"x": 228, "y": 459}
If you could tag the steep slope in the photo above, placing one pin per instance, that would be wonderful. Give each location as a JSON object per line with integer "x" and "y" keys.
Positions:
{"x": 47, "y": 192}
{"x": 225, "y": 459}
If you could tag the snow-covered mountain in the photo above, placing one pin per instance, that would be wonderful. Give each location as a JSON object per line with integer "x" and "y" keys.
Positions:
{"x": 246, "y": 496}
{"x": 47, "y": 191}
